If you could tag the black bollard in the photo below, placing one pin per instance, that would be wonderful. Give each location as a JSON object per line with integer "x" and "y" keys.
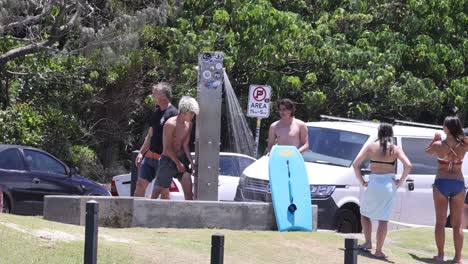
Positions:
{"x": 350, "y": 256}
{"x": 217, "y": 248}
{"x": 91, "y": 232}
{"x": 133, "y": 173}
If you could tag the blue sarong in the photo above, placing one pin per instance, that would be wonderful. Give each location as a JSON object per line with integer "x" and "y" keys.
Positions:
{"x": 378, "y": 198}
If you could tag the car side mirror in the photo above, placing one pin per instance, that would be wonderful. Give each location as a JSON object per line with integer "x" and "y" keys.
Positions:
{"x": 74, "y": 171}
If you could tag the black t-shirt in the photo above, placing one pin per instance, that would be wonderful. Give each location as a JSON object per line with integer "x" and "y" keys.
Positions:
{"x": 158, "y": 118}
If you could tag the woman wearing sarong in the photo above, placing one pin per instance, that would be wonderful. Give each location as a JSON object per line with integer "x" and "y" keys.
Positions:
{"x": 449, "y": 184}
{"x": 381, "y": 188}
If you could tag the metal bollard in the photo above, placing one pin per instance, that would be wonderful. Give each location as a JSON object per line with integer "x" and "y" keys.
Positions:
{"x": 217, "y": 249}
{"x": 134, "y": 173}
{"x": 91, "y": 232}
{"x": 350, "y": 255}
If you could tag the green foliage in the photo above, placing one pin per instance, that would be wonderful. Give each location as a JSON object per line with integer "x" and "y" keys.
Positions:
{"x": 86, "y": 159}
{"x": 61, "y": 129}
{"x": 20, "y": 124}
{"x": 360, "y": 59}
{"x": 314, "y": 99}
{"x": 457, "y": 95}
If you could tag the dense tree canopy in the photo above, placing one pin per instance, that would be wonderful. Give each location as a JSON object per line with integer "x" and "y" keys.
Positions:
{"x": 75, "y": 75}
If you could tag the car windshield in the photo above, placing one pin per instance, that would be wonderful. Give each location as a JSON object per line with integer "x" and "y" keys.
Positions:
{"x": 334, "y": 147}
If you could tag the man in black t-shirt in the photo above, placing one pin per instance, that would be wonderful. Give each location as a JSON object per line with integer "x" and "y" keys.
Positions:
{"x": 150, "y": 152}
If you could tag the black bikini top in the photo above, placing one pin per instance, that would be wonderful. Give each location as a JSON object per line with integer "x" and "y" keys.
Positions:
{"x": 384, "y": 162}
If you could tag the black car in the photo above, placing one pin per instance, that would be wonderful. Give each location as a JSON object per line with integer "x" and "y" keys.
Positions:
{"x": 28, "y": 174}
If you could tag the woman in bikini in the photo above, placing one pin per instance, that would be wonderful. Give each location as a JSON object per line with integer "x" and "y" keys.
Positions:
{"x": 449, "y": 184}
{"x": 379, "y": 196}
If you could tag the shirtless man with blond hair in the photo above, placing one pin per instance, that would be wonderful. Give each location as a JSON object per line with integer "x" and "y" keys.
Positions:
{"x": 288, "y": 130}
{"x": 176, "y": 161}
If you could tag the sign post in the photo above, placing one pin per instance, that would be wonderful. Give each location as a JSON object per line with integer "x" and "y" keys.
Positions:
{"x": 259, "y": 107}
{"x": 257, "y": 137}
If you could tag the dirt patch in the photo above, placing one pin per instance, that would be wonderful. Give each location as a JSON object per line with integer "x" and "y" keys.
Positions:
{"x": 54, "y": 235}
{"x": 117, "y": 240}
{"x": 44, "y": 234}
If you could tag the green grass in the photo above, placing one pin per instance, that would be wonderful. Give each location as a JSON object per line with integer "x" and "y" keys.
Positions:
{"x": 34, "y": 247}
{"x": 34, "y": 240}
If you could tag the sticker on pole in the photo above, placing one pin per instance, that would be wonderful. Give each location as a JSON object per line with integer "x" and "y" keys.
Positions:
{"x": 259, "y": 101}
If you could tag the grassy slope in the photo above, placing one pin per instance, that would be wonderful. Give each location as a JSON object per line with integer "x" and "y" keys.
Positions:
{"x": 42, "y": 241}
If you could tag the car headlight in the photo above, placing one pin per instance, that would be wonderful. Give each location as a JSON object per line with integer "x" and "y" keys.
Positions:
{"x": 321, "y": 191}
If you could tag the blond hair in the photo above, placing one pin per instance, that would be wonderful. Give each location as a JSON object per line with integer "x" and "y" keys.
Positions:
{"x": 188, "y": 104}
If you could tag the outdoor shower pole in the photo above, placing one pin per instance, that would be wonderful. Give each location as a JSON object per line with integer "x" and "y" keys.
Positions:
{"x": 208, "y": 128}
{"x": 257, "y": 137}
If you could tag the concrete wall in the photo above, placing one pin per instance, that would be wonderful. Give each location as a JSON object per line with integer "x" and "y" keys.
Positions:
{"x": 113, "y": 212}
{"x": 204, "y": 214}
{"x": 142, "y": 212}
{"x": 63, "y": 209}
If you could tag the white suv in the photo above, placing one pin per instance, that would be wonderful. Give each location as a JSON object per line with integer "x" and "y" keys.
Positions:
{"x": 334, "y": 188}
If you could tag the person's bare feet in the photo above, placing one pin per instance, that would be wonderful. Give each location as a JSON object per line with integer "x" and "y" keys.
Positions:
{"x": 438, "y": 259}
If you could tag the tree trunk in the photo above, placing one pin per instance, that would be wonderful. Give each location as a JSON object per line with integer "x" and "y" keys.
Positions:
{"x": 4, "y": 93}
{"x": 7, "y": 92}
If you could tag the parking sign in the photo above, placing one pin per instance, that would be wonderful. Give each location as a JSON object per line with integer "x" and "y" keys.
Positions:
{"x": 259, "y": 101}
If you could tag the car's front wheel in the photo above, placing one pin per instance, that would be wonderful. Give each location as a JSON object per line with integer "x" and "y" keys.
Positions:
{"x": 347, "y": 221}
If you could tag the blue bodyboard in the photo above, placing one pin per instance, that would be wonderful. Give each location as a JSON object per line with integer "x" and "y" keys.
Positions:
{"x": 290, "y": 191}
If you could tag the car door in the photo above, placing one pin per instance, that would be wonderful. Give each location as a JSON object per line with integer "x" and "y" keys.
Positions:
{"x": 49, "y": 177}
{"x": 228, "y": 178}
{"x": 417, "y": 204}
{"x": 231, "y": 167}
{"x": 400, "y": 194}
{"x": 16, "y": 180}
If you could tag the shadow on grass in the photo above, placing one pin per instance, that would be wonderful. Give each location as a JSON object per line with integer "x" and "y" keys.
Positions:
{"x": 371, "y": 256}
{"x": 427, "y": 260}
